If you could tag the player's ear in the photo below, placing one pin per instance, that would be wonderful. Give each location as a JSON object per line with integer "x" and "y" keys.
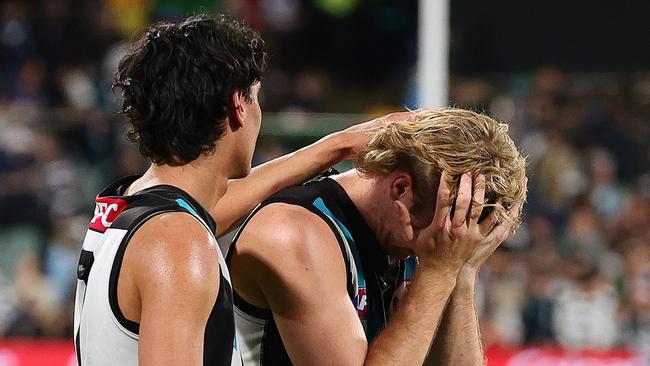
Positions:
{"x": 236, "y": 111}
{"x": 401, "y": 195}
{"x": 401, "y": 188}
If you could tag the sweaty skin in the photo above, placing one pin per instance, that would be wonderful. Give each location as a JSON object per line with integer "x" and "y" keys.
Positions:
{"x": 173, "y": 253}
{"x": 280, "y": 270}
{"x": 170, "y": 277}
{"x": 268, "y": 178}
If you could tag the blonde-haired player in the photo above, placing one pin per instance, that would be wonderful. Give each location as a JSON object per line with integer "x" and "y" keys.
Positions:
{"x": 319, "y": 270}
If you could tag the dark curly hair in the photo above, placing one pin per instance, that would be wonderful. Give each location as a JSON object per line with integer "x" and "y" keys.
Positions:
{"x": 177, "y": 80}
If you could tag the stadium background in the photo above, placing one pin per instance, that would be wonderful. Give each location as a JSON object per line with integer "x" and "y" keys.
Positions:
{"x": 571, "y": 78}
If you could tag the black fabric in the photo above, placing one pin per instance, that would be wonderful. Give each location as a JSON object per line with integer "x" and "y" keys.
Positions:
{"x": 86, "y": 260}
{"x": 251, "y": 309}
{"x": 273, "y": 351}
{"x": 137, "y": 216}
{"x": 382, "y": 273}
{"x": 142, "y": 206}
{"x": 77, "y": 347}
{"x": 220, "y": 328}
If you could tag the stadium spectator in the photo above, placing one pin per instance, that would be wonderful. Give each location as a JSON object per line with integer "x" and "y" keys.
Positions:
{"x": 587, "y": 147}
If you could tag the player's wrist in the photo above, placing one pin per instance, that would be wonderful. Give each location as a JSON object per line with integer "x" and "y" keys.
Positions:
{"x": 351, "y": 141}
{"x": 343, "y": 144}
{"x": 467, "y": 278}
{"x": 325, "y": 152}
{"x": 438, "y": 270}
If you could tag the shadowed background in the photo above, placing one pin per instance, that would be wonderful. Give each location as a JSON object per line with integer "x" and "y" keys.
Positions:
{"x": 571, "y": 78}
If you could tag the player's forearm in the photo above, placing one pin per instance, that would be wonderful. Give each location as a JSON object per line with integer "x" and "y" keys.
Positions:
{"x": 268, "y": 178}
{"x": 459, "y": 341}
{"x": 408, "y": 337}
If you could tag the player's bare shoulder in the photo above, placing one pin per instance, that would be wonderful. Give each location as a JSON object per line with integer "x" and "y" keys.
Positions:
{"x": 288, "y": 244}
{"x": 282, "y": 230}
{"x": 173, "y": 250}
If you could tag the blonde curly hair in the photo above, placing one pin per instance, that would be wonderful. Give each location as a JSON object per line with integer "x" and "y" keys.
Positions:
{"x": 456, "y": 141}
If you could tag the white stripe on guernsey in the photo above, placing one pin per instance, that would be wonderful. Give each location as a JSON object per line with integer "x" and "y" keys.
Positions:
{"x": 117, "y": 235}
{"x": 92, "y": 240}
{"x": 250, "y": 335}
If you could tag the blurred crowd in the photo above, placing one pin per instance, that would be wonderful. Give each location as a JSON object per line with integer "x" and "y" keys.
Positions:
{"x": 577, "y": 274}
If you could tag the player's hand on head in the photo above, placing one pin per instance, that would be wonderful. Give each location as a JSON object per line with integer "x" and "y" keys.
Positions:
{"x": 494, "y": 232}
{"x": 455, "y": 237}
{"x": 360, "y": 134}
{"x": 445, "y": 243}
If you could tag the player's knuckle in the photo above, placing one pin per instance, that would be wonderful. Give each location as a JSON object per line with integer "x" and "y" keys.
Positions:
{"x": 458, "y": 231}
{"x": 475, "y": 213}
{"x": 444, "y": 195}
{"x": 463, "y": 199}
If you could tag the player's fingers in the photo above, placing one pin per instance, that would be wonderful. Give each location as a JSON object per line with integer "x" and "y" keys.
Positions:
{"x": 463, "y": 201}
{"x": 493, "y": 218}
{"x": 403, "y": 116}
{"x": 485, "y": 226}
{"x": 526, "y": 183}
{"x": 478, "y": 200}
{"x": 499, "y": 233}
{"x": 502, "y": 231}
{"x": 493, "y": 245}
{"x": 514, "y": 212}
{"x": 443, "y": 202}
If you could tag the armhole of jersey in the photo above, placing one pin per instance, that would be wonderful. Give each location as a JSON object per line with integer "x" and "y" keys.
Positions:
{"x": 338, "y": 234}
{"x": 252, "y": 310}
{"x": 130, "y": 325}
{"x": 285, "y": 200}
{"x": 233, "y": 242}
{"x": 238, "y": 301}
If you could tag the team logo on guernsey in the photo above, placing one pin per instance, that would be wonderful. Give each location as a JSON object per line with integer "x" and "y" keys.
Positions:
{"x": 106, "y": 211}
{"x": 361, "y": 302}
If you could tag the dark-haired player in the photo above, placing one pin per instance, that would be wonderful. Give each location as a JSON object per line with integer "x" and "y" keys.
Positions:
{"x": 153, "y": 288}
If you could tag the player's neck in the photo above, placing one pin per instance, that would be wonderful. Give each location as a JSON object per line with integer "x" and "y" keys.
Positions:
{"x": 361, "y": 191}
{"x": 205, "y": 179}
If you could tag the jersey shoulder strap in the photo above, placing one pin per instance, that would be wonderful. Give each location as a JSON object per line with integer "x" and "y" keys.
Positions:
{"x": 129, "y": 213}
{"x": 312, "y": 195}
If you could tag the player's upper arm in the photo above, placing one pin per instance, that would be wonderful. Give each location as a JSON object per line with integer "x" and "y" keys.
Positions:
{"x": 178, "y": 282}
{"x": 302, "y": 275}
